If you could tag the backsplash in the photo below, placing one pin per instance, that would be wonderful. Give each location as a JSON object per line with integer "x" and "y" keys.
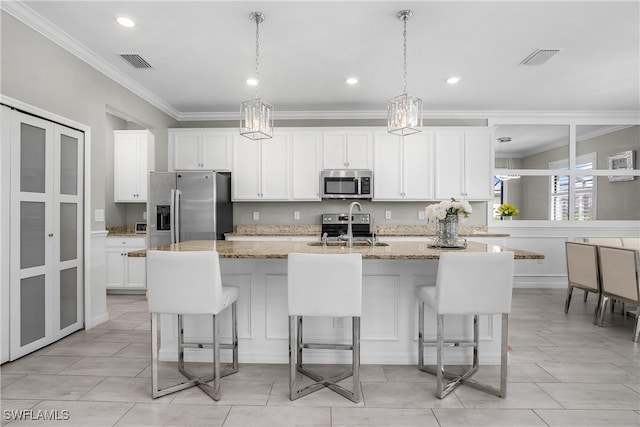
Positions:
{"x": 402, "y": 213}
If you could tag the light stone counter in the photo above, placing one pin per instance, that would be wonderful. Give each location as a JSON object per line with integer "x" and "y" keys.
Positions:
{"x": 280, "y": 250}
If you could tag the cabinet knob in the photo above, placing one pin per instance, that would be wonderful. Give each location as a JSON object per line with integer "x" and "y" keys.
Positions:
{"x": 50, "y": 234}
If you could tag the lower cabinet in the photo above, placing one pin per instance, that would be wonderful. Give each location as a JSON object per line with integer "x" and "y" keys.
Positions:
{"x": 125, "y": 272}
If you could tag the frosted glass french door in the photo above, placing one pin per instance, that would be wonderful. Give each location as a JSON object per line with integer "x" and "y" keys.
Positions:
{"x": 46, "y": 260}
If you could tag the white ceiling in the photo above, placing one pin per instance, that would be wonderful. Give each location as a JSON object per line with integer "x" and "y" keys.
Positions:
{"x": 203, "y": 51}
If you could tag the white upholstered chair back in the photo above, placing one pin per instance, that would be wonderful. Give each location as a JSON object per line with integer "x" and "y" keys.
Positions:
{"x": 474, "y": 283}
{"x": 184, "y": 282}
{"x": 582, "y": 265}
{"x": 325, "y": 285}
{"x": 619, "y": 272}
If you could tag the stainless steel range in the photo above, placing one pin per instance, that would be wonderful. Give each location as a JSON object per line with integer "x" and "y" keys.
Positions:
{"x": 336, "y": 224}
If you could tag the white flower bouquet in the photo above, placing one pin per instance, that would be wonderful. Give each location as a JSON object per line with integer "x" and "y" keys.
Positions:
{"x": 440, "y": 211}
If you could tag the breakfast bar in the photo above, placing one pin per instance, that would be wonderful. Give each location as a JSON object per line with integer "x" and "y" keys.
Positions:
{"x": 391, "y": 271}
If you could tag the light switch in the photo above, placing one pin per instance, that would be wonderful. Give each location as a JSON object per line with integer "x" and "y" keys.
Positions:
{"x": 296, "y": 215}
{"x": 99, "y": 215}
{"x": 387, "y": 214}
{"x": 144, "y": 215}
{"x": 420, "y": 214}
{"x": 256, "y": 216}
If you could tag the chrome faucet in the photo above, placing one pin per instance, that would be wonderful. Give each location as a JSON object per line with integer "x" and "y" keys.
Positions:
{"x": 349, "y": 235}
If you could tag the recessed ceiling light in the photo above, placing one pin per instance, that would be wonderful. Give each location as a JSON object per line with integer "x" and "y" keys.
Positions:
{"x": 453, "y": 80}
{"x": 252, "y": 81}
{"x": 126, "y": 22}
{"x": 352, "y": 80}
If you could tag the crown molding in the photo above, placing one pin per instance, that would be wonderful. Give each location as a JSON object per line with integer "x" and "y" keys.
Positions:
{"x": 494, "y": 116}
{"x": 29, "y": 17}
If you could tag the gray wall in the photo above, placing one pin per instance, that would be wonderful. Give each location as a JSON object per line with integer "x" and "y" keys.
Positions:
{"x": 405, "y": 213}
{"x": 617, "y": 200}
{"x": 37, "y": 71}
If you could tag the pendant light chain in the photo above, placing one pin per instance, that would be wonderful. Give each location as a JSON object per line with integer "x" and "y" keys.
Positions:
{"x": 404, "y": 112}
{"x": 257, "y": 19}
{"x": 404, "y": 35}
{"x": 256, "y": 115}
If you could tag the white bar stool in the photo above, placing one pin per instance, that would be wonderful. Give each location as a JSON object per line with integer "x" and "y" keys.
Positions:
{"x": 323, "y": 285}
{"x": 467, "y": 284}
{"x": 190, "y": 283}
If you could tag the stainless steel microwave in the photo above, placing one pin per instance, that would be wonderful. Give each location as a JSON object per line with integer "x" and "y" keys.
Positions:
{"x": 346, "y": 184}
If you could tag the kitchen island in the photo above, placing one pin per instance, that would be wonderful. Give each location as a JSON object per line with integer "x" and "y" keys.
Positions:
{"x": 389, "y": 317}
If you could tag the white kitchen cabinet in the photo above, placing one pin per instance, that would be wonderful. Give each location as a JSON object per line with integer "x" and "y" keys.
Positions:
{"x": 305, "y": 165}
{"x": 124, "y": 272}
{"x": 261, "y": 169}
{"x": 133, "y": 154}
{"x": 463, "y": 164}
{"x": 403, "y": 167}
{"x": 198, "y": 149}
{"x": 347, "y": 149}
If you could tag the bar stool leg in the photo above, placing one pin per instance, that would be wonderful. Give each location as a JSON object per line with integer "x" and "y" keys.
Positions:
{"x": 300, "y": 345}
{"x": 216, "y": 359}
{"x": 154, "y": 355}
{"x": 356, "y": 359}
{"x": 293, "y": 351}
{"x": 180, "y": 343}
{"x": 421, "y": 335}
{"x": 234, "y": 337}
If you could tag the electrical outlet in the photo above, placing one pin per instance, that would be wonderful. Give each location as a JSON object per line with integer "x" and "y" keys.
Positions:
{"x": 387, "y": 214}
{"x": 338, "y": 322}
{"x": 256, "y": 216}
{"x": 421, "y": 214}
{"x": 99, "y": 215}
{"x": 296, "y": 215}
{"x": 144, "y": 215}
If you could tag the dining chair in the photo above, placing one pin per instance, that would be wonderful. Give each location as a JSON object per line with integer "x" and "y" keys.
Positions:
{"x": 582, "y": 272}
{"x": 619, "y": 269}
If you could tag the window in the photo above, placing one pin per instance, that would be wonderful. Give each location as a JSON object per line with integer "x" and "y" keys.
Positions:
{"x": 585, "y": 191}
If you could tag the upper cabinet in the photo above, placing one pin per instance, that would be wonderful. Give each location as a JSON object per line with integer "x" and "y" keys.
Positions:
{"x": 261, "y": 169}
{"x": 305, "y": 165}
{"x": 133, "y": 159}
{"x": 463, "y": 164}
{"x": 200, "y": 149}
{"x": 403, "y": 167}
{"x": 347, "y": 149}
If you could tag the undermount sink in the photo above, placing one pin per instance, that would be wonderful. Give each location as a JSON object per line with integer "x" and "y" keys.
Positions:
{"x": 343, "y": 243}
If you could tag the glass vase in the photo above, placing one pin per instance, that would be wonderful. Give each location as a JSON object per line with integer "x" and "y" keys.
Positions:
{"x": 447, "y": 231}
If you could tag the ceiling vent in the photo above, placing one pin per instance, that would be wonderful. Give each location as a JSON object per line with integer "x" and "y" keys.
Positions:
{"x": 135, "y": 60}
{"x": 539, "y": 56}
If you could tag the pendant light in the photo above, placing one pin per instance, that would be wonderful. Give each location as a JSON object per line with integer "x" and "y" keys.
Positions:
{"x": 256, "y": 115}
{"x": 503, "y": 141}
{"x": 404, "y": 111}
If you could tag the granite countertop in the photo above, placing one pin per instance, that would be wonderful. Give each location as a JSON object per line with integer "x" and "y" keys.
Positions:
{"x": 124, "y": 230}
{"x": 280, "y": 250}
{"x": 380, "y": 230}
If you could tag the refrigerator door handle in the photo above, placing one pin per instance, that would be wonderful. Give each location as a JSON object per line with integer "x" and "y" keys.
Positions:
{"x": 177, "y": 217}
{"x": 172, "y": 216}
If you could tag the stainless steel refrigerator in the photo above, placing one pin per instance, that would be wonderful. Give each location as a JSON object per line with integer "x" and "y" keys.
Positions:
{"x": 188, "y": 206}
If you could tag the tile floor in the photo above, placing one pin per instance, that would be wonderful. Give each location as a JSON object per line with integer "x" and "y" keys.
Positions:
{"x": 564, "y": 372}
